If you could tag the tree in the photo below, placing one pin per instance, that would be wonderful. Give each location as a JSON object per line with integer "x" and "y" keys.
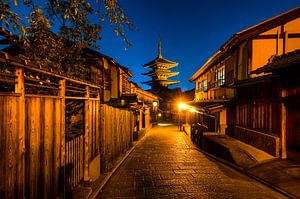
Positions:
{"x": 75, "y": 25}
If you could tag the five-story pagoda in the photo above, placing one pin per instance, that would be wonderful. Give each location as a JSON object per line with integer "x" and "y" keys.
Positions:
{"x": 160, "y": 72}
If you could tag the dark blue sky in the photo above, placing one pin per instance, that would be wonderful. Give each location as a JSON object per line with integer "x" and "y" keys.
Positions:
{"x": 191, "y": 31}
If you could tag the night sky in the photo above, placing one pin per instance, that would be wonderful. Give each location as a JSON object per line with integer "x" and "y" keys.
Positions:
{"x": 191, "y": 31}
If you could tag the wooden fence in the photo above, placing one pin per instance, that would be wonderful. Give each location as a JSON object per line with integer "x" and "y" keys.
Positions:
{"x": 94, "y": 123}
{"x": 261, "y": 116}
{"x": 41, "y": 156}
{"x": 43, "y": 139}
{"x": 34, "y": 158}
{"x": 74, "y": 162}
{"x": 116, "y": 134}
{"x": 10, "y": 159}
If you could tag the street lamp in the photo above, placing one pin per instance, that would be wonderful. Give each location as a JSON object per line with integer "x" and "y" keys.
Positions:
{"x": 155, "y": 104}
{"x": 181, "y": 107}
{"x": 182, "y": 111}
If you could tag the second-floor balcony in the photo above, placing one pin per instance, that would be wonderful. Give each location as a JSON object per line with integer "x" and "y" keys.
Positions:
{"x": 214, "y": 91}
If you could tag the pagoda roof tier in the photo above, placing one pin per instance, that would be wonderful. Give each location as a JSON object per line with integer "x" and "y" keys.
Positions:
{"x": 161, "y": 82}
{"x": 161, "y": 72}
{"x": 160, "y": 62}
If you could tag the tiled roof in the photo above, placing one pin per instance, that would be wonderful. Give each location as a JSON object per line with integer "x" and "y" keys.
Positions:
{"x": 161, "y": 82}
{"x": 280, "y": 62}
{"x": 160, "y": 60}
{"x": 161, "y": 71}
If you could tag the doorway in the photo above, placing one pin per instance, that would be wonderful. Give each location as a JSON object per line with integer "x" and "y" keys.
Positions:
{"x": 293, "y": 126}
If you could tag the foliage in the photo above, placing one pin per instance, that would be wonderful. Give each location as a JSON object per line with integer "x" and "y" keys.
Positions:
{"x": 76, "y": 30}
{"x": 52, "y": 51}
{"x": 74, "y": 110}
{"x": 9, "y": 20}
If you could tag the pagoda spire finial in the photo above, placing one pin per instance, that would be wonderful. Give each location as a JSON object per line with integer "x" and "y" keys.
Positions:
{"x": 159, "y": 46}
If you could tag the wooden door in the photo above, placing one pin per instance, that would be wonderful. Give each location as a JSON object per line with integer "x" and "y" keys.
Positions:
{"x": 293, "y": 122}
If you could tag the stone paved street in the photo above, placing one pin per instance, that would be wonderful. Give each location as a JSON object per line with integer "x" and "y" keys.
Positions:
{"x": 165, "y": 165}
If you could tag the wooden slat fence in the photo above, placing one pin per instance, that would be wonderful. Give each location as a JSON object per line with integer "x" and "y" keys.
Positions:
{"x": 32, "y": 131}
{"x": 94, "y": 124}
{"x": 43, "y": 146}
{"x": 37, "y": 158}
{"x": 74, "y": 162}
{"x": 116, "y": 134}
{"x": 259, "y": 116}
{"x": 9, "y": 160}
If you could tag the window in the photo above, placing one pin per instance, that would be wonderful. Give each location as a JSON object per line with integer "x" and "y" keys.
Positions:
{"x": 205, "y": 85}
{"x": 220, "y": 76}
{"x": 202, "y": 86}
{"x": 199, "y": 86}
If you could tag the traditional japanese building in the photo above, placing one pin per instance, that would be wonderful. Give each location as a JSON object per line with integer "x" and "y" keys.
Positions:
{"x": 160, "y": 72}
{"x": 249, "y": 89}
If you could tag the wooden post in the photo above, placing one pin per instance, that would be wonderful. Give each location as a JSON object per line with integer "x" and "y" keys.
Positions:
{"x": 277, "y": 42}
{"x": 86, "y": 176}
{"x": 285, "y": 42}
{"x": 283, "y": 125}
{"x": 62, "y": 93}
{"x": 102, "y": 137}
{"x": 131, "y": 127}
{"x": 20, "y": 88}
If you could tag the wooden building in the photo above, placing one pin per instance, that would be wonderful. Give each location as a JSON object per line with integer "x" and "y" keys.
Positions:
{"x": 123, "y": 93}
{"x": 283, "y": 81}
{"x": 233, "y": 88}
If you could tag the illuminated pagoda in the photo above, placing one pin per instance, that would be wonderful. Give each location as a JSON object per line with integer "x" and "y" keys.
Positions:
{"x": 160, "y": 72}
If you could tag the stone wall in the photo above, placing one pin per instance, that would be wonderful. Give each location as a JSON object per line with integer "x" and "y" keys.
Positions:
{"x": 266, "y": 142}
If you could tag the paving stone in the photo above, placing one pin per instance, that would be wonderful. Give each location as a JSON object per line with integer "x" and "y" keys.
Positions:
{"x": 165, "y": 165}
{"x": 184, "y": 171}
{"x": 144, "y": 183}
{"x": 157, "y": 172}
{"x": 164, "y": 190}
{"x": 173, "y": 176}
{"x": 171, "y": 182}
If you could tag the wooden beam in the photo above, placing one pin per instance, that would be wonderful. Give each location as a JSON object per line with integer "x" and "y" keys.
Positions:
{"x": 277, "y": 43}
{"x": 283, "y": 125}
{"x": 32, "y": 68}
{"x": 20, "y": 88}
{"x": 62, "y": 93}
{"x": 285, "y": 42}
{"x": 86, "y": 176}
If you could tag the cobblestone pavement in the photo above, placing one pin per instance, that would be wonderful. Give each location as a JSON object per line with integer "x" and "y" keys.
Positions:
{"x": 165, "y": 165}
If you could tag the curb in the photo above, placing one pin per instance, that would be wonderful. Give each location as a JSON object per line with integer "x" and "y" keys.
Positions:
{"x": 243, "y": 171}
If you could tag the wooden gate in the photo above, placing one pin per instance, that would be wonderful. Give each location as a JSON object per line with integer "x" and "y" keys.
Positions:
{"x": 293, "y": 126}
{"x": 43, "y": 140}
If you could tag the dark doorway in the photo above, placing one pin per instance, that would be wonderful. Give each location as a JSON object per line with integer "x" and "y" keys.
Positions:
{"x": 143, "y": 120}
{"x": 293, "y": 125}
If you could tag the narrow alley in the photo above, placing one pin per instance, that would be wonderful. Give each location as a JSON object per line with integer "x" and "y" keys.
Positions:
{"x": 165, "y": 165}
